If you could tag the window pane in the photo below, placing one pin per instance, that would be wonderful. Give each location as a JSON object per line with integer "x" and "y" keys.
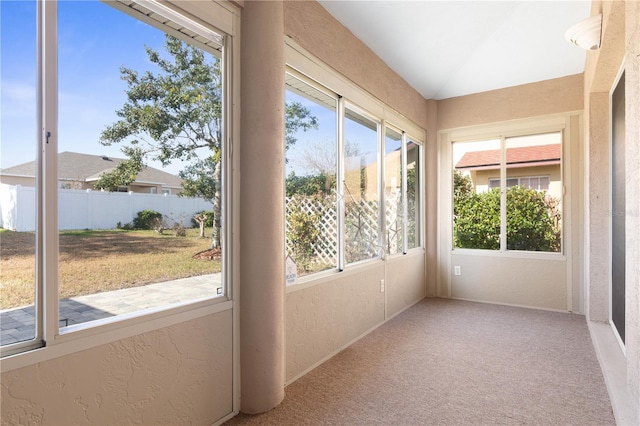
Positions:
{"x": 311, "y": 165}
{"x": 124, "y": 245}
{"x": 362, "y": 236}
{"x": 533, "y": 215}
{"x": 393, "y": 191}
{"x": 18, "y": 163}
{"x": 476, "y": 206}
{"x": 414, "y": 189}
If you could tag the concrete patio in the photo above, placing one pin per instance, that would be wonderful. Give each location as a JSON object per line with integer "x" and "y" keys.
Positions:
{"x": 18, "y": 325}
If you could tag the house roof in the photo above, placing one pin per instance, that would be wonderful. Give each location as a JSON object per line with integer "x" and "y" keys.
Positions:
{"x": 75, "y": 166}
{"x": 528, "y": 156}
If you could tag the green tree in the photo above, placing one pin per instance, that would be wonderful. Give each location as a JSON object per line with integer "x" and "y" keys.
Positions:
{"x": 124, "y": 173}
{"x": 175, "y": 113}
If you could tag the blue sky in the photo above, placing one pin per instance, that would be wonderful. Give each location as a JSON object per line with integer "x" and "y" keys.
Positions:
{"x": 95, "y": 40}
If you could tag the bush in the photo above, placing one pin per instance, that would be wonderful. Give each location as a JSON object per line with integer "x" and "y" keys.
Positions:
{"x": 147, "y": 219}
{"x": 303, "y": 231}
{"x": 532, "y": 220}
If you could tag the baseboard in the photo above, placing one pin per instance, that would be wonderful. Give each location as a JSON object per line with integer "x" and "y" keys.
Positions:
{"x": 614, "y": 369}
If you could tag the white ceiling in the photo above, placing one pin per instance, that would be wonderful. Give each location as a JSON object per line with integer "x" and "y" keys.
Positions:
{"x": 453, "y": 48}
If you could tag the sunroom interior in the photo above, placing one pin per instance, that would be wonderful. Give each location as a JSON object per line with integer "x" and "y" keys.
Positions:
{"x": 276, "y": 320}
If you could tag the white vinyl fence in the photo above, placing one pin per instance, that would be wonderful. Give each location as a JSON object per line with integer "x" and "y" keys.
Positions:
{"x": 86, "y": 209}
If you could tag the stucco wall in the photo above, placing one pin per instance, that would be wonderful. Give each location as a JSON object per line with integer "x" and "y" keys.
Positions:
{"x": 325, "y": 315}
{"x": 313, "y": 28}
{"x": 529, "y": 100}
{"x": 323, "y": 318}
{"x": 620, "y": 44}
{"x": 176, "y": 375}
{"x": 539, "y": 283}
{"x": 492, "y": 278}
{"x": 632, "y": 66}
{"x": 402, "y": 274}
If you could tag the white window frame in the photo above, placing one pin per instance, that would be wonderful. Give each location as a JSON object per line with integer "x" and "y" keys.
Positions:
{"x": 319, "y": 75}
{"x": 502, "y": 131}
{"x": 50, "y": 342}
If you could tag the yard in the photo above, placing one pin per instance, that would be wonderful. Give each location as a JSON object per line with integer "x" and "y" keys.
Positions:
{"x": 93, "y": 261}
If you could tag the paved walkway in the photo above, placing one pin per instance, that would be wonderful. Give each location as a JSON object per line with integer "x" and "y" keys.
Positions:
{"x": 19, "y": 324}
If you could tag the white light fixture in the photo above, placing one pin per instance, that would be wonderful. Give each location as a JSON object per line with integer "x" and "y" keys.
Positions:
{"x": 586, "y": 33}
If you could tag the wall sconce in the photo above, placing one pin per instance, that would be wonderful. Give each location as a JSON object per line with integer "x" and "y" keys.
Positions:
{"x": 586, "y": 33}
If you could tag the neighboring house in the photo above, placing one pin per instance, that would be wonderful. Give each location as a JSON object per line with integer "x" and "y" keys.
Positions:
{"x": 536, "y": 167}
{"x": 81, "y": 171}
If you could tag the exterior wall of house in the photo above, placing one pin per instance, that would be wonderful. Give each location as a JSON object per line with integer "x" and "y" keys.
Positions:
{"x": 328, "y": 314}
{"x": 620, "y": 46}
{"x": 17, "y": 180}
{"x": 481, "y": 178}
{"x": 29, "y": 181}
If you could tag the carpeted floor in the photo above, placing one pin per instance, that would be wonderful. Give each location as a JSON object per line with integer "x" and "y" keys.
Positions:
{"x": 447, "y": 362}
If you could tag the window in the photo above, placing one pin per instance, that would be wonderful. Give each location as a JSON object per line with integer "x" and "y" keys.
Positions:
{"x": 149, "y": 61}
{"x": 311, "y": 173}
{"x": 527, "y": 216}
{"x": 539, "y": 183}
{"x": 361, "y": 191}
{"x": 352, "y": 182}
{"x": 414, "y": 190}
{"x": 18, "y": 144}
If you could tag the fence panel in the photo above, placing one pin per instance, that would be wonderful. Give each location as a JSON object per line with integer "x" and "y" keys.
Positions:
{"x": 80, "y": 209}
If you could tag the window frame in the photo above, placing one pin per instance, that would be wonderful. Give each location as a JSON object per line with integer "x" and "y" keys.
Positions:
{"x": 556, "y": 123}
{"x": 314, "y": 72}
{"x": 50, "y": 340}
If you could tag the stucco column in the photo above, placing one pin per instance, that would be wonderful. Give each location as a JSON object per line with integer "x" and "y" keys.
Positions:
{"x": 632, "y": 147}
{"x": 261, "y": 299}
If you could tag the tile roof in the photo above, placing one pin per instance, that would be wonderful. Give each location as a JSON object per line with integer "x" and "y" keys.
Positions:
{"x": 87, "y": 167}
{"x": 527, "y": 156}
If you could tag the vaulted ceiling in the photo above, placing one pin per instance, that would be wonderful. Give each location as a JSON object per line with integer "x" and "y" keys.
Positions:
{"x": 454, "y": 48}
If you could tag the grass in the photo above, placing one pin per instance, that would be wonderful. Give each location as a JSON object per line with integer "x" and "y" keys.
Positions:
{"x": 93, "y": 261}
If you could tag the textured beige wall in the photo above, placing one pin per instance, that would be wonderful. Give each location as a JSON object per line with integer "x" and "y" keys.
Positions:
{"x": 177, "y": 375}
{"x": 601, "y": 68}
{"x": 528, "y": 100}
{"x": 313, "y": 28}
{"x": 561, "y": 289}
{"x": 632, "y": 74}
{"x": 620, "y": 44}
{"x": 531, "y": 282}
{"x": 325, "y": 317}
{"x": 402, "y": 274}
{"x": 262, "y": 212}
{"x": 431, "y": 197}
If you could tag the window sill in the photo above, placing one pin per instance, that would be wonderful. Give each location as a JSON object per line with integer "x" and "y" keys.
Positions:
{"x": 510, "y": 254}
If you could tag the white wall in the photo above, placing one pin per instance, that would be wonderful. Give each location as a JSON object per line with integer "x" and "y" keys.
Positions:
{"x": 79, "y": 209}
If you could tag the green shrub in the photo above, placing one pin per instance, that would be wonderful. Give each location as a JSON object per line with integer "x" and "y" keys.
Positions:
{"x": 533, "y": 220}
{"x": 147, "y": 219}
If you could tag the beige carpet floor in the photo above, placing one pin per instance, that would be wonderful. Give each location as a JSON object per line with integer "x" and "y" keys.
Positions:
{"x": 446, "y": 362}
